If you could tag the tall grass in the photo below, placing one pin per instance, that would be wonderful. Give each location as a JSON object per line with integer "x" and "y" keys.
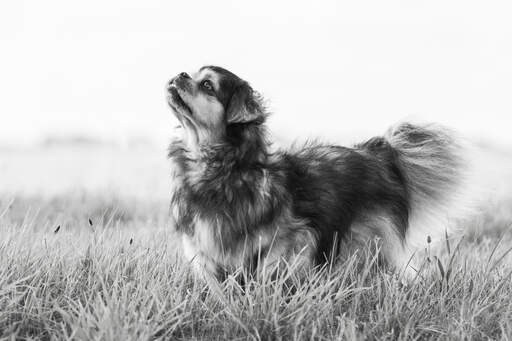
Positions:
{"x": 80, "y": 267}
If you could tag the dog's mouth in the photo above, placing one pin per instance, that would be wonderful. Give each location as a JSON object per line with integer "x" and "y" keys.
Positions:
{"x": 176, "y": 102}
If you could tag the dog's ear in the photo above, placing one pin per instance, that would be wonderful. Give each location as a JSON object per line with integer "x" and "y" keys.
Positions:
{"x": 245, "y": 106}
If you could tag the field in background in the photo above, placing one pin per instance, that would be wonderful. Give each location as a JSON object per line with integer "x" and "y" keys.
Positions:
{"x": 86, "y": 252}
{"x": 137, "y": 172}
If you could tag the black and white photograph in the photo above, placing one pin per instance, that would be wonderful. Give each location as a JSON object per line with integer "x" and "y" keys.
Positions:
{"x": 263, "y": 170}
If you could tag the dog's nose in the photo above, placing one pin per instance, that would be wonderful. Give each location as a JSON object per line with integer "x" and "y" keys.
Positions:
{"x": 184, "y": 75}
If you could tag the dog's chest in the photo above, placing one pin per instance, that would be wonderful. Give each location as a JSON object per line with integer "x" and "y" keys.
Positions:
{"x": 207, "y": 250}
{"x": 182, "y": 212}
{"x": 200, "y": 248}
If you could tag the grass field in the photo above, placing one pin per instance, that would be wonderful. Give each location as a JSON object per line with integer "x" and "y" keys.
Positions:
{"x": 93, "y": 264}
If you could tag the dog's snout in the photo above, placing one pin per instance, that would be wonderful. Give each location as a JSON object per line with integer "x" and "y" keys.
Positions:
{"x": 184, "y": 75}
{"x": 180, "y": 76}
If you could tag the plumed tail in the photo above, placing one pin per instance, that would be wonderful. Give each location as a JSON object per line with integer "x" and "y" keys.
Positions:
{"x": 433, "y": 161}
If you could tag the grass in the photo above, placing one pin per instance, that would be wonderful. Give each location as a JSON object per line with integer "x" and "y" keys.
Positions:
{"x": 119, "y": 277}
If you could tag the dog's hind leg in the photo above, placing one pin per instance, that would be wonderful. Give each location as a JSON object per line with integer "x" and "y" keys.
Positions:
{"x": 391, "y": 244}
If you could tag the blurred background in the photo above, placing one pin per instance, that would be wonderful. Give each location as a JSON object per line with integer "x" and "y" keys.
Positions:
{"x": 82, "y": 83}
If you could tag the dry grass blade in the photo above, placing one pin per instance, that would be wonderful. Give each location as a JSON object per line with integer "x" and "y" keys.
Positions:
{"x": 496, "y": 245}
{"x": 447, "y": 239}
{"x": 498, "y": 261}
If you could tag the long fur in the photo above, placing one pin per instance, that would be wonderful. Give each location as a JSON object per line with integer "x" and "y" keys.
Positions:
{"x": 236, "y": 204}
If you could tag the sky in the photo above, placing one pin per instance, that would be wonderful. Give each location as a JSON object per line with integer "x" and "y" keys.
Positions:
{"x": 341, "y": 70}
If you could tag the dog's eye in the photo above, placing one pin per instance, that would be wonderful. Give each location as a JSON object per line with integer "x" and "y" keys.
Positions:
{"x": 207, "y": 85}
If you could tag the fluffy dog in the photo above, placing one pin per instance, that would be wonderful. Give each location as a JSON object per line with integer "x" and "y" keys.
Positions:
{"x": 236, "y": 204}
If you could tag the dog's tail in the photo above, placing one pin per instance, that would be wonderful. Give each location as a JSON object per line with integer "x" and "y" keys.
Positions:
{"x": 436, "y": 170}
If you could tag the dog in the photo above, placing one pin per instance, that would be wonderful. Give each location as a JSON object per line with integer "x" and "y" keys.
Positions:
{"x": 238, "y": 204}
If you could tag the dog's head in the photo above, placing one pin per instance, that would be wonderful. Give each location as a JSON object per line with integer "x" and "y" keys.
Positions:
{"x": 213, "y": 101}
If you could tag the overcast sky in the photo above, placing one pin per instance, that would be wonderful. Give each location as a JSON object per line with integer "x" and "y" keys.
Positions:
{"x": 337, "y": 69}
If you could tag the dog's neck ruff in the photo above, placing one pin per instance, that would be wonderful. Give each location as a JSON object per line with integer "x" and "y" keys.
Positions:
{"x": 243, "y": 148}
{"x": 219, "y": 178}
